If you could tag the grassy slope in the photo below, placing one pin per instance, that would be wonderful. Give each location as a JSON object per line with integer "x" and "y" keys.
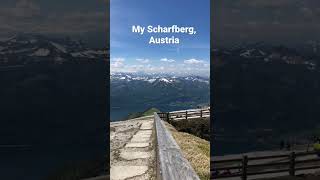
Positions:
{"x": 195, "y": 150}
{"x": 150, "y": 112}
{"x": 147, "y": 112}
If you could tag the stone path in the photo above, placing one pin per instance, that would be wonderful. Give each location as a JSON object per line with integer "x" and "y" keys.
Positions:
{"x": 132, "y": 149}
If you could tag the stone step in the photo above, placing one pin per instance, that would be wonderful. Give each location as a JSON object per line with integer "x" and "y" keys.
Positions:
{"x": 137, "y": 145}
{"x": 128, "y": 155}
{"x": 124, "y": 172}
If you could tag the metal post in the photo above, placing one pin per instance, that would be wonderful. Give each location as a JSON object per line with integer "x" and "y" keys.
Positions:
{"x": 186, "y": 114}
{"x": 200, "y": 113}
{"x": 292, "y": 164}
{"x": 244, "y": 167}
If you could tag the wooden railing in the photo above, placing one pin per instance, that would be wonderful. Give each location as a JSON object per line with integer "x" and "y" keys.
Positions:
{"x": 181, "y": 115}
{"x": 249, "y": 166}
{"x": 170, "y": 162}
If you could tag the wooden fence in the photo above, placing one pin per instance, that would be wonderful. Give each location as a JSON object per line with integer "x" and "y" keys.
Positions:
{"x": 287, "y": 164}
{"x": 170, "y": 162}
{"x": 182, "y": 115}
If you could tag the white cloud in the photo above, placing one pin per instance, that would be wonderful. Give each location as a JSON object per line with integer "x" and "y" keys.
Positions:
{"x": 193, "y": 61}
{"x": 167, "y": 60}
{"x": 206, "y": 65}
{"x": 117, "y": 63}
{"x": 118, "y": 59}
{"x": 190, "y": 66}
{"x": 143, "y": 60}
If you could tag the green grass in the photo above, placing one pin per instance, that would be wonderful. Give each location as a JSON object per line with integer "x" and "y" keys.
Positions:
{"x": 195, "y": 150}
{"x": 199, "y": 127}
{"x": 147, "y": 112}
{"x": 205, "y": 149}
{"x": 150, "y": 111}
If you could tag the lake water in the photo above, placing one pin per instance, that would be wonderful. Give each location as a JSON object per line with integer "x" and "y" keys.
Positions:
{"x": 118, "y": 113}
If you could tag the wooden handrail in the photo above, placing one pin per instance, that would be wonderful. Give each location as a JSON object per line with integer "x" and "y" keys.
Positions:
{"x": 170, "y": 161}
{"x": 184, "y": 114}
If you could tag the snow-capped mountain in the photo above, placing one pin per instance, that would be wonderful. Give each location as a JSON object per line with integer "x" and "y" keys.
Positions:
{"x": 131, "y": 91}
{"x": 28, "y": 48}
{"x": 156, "y": 78}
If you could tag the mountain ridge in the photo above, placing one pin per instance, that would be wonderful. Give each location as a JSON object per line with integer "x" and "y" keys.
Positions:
{"x": 132, "y": 92}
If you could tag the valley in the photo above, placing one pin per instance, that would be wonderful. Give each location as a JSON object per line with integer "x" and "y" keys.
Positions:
{"x": 132, "y": 93}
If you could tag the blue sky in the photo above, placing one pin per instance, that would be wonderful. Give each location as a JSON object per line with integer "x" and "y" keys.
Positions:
{"x": 131, "y": 52}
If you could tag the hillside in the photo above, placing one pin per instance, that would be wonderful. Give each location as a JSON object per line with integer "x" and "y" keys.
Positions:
{"x": 195, "y": 150}
{"x": 147, "y": 112}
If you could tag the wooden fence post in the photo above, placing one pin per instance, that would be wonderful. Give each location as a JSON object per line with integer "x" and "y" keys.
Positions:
{"x": 244, "y": 167}
{"x": 292, "y": 164}
{"x": 186, "y": 114}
